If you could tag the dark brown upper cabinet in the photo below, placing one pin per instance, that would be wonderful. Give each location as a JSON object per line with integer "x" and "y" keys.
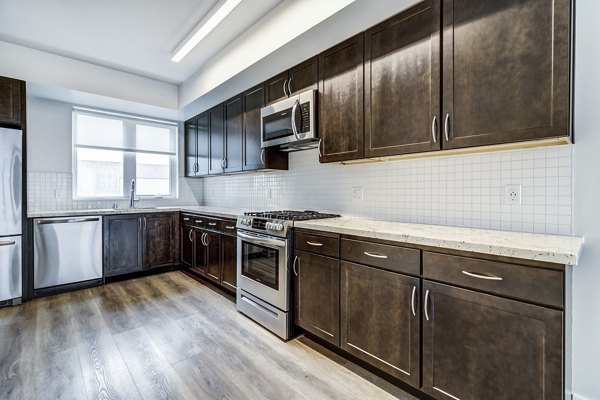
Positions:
{"x": 341, "y": 100}
{"x": 478, "y": 346}
{"x": 191, "y": 148}
{"x": 216, "y": 143}
{"x": 380, "y": 320}
{"x": 234, "y": 121}
{"x": 202, "y": 140}
{"x": 12, "y": 98}
{"x": 402, "y": 83}
{"x": 254, "y": 157}
{"x": 297, "y": 79}
{"x": 505, "y": 71}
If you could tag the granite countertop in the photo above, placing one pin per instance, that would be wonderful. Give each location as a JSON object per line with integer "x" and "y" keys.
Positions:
{"x": 214, "y": 211}
{"x": 530, "y": 246}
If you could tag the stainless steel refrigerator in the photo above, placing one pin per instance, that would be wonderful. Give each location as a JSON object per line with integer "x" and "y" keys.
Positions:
{"x": 11, "y": 179}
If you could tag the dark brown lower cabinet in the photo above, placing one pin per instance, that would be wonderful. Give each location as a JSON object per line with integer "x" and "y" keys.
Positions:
{"x": 213, "y": 256}
{"x": 134, "y": 242}
{"x": 317, "y": 301}
{"x": 380, "y": 319}
{"x": 160, "y": 240}
{"x": 199, "y": 265}
{"x": 229, "y": 262}
{"x": 477, "y": 346}
{"x": 187, "y": 245}
{"x": 123, "y": 244}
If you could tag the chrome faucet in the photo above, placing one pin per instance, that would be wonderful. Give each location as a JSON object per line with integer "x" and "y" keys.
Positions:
{"x": 132, "y": 197}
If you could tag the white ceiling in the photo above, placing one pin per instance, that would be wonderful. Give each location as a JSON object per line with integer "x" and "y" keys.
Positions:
{"x": 135, "y": 36}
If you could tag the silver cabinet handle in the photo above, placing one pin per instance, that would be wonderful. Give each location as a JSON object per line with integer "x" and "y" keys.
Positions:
{"x": 320, "y": 151}
{"x": 186, "y": 219}
{"x": 434, "y": 129}
{"x": 144, "y": 223}
{"x": 446, "y": 127}
{"x": 190, "y": 235}
{"x": 212, "y": 223}
{"x": 263, "y": 159}
{"x": 294, "y": 266}
{"x": 139, "y": 223}
{"x": 229, "y": 227}
{"x": 317, "y": 244}
{"x": 203, "y": 239}
{"x": 294, "y": 127}
{"x": 412, "y": 301}
{"x": 206, "y": 239}
{"x": 482, "y": 276}
{"x": 198, "y": 221}
{"x": 289, "y": 85}
{"x": 66, "y": 221}
{"x": 375, "y": 255}
{"x": 284, "y": 85}
{"x": 425, "y": 304}
{"x": 8, "y": 243}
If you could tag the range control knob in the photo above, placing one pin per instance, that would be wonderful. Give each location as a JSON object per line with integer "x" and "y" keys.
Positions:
{"x": 246, "y": 221}
{"x": 278, "y": 227}
{"x": 269, "y": 225}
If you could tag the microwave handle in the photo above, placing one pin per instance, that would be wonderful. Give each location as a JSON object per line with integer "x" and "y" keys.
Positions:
{"x": 294, "y": 127}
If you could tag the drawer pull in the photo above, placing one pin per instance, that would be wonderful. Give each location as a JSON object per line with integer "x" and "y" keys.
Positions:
{"x": 212, "y": 223}
{"x": 199, "y": 221}
{"x": 481, "y": 276}
{"x": 229, "y": 227}
{"x": 317, "y": 244}
{"x": 186, "y": 219}
{"x": 375, "y": 255}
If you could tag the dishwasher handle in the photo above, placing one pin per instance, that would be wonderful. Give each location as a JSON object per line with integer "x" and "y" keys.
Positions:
{"x": 66, "y": 221}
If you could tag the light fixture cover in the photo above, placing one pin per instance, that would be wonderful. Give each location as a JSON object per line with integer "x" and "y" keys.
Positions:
{"x": 204, "y": 27}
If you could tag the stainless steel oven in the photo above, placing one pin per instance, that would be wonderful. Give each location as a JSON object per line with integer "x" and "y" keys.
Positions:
{"x": 264, "y": 279}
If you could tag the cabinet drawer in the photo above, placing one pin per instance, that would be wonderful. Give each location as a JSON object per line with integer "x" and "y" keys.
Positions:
{"x": 228, "y": 227}
{"x": 393, "y": 258}
{"x": 537, "y": 285}
{"x": 211, "y": 223}
{"x": 319, "y": 244}
{"x": 193, "y": 220}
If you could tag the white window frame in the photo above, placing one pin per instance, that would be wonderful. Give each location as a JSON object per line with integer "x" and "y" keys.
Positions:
{"x": 129, "y": 159}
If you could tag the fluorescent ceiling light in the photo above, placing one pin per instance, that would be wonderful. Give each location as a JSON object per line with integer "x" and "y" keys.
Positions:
{"x": 204, "y": 27}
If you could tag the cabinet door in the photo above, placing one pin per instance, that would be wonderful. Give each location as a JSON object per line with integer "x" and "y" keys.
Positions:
{"x": 506, "y": 70}
{"x": 199, "y": 265}
{"x": 233, "y": 134}
{"x": 276, "y": 87}
{"x": 341, "y": 101}
{"x": 317, "y": 295}
{"x": 187, "y": 245}
{"x": 402, "y": 83}
{"x": 202, "y": 144}
{"x": 216, "y": 133}
{"x": 213, "y": 256}
{"x": 122, "y": 244}
{"x": 477, "y": 346}
{"x": 191, "y": 148}
{"x": 11, "y": 97}
{"x": 380, "y": 321}
{"x": 160, "y": 236}
{"x": 254, "y": 157}
{"x": 303, "y": 76}
{"x": 229, "y": 262}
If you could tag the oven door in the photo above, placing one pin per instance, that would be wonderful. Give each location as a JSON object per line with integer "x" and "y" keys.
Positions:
{"x": 262, "y": 268}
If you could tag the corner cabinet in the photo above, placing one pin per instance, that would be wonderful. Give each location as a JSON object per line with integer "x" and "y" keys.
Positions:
{"x": 134, "y": 242}
{"x": 506, "y": 71}
{"x": 341, "y": 101}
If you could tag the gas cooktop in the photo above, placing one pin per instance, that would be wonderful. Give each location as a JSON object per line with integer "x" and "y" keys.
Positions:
{"x": 289, "y": 215}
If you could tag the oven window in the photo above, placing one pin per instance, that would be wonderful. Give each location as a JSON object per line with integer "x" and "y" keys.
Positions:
{"x": 261, "y": 264}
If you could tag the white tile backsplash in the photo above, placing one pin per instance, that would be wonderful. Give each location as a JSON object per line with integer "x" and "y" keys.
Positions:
{"x": 53, "y": 191}
{"x": 465, "y": 190}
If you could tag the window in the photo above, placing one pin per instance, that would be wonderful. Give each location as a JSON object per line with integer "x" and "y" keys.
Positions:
{"x": 110, "y": 150}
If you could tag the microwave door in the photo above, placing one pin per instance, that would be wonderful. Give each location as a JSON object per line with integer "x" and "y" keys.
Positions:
{"x": 278, "y": 126}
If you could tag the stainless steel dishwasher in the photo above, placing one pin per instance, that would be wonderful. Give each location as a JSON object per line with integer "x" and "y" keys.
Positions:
{"x": 67, "y": 251}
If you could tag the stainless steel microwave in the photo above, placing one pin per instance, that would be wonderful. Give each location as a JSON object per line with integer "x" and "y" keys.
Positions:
{"x": 290, "y": 123}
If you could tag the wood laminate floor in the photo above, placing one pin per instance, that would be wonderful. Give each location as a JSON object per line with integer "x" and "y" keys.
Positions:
{"x": 163, "y": 337}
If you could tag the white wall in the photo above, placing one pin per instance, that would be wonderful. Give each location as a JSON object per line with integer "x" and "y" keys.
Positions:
{"x": 586, "y": 276}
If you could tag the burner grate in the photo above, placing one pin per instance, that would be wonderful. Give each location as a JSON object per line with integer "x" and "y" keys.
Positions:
{"x": 291, "y": 215}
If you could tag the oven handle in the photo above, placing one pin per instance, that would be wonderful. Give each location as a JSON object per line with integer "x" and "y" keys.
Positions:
{"x": 261, "y": 240}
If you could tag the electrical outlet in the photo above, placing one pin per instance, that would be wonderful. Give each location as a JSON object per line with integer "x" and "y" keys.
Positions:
{"x": 357, "y": 192}
{"x": 513, "y": 194}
